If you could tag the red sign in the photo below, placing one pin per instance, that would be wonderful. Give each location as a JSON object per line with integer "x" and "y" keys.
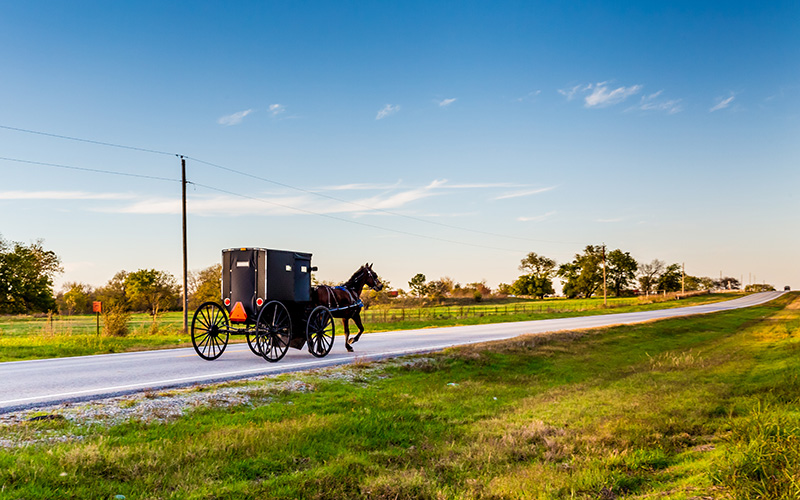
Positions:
{"x": 97, "y": 306}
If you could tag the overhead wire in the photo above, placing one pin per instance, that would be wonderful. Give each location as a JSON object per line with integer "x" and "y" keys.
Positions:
{"x": 90, "y": 141}
{"x": 264, "y": 179}
{"x": 350, "y": 221}
{"x": 85, "y": 169}
{"x": 367, "y": 207}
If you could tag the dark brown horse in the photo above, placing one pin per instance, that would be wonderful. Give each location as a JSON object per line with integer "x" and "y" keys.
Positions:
{"x": 344, "y": 300}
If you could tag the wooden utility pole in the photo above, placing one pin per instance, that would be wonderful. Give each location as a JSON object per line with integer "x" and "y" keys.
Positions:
{"x": 683, "y": 278}
{"x": 605, "y": 295}
{"x": 185, "y": 272}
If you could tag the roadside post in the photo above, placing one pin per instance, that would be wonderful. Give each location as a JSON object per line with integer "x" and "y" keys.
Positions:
{"x": 97, "y": 308}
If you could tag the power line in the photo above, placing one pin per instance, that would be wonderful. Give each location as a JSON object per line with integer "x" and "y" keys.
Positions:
{"x": 253, "y": 176}
{"x": 90, "y": 141}
{"x": 367, "y": 207}
{"x": 84, "y": 169}
{"x": 349, "y": 221}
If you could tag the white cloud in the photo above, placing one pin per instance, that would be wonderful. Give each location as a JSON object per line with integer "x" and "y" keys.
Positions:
{"x": 602, "y": 97}
{"x": 62, "y": 195}
{"x": 572, "y": 92}
{"x": 537, "y": 218}
{"x": 360, "y": 187}
{"x": 275, "y": 204}
{"x": 446, "y": 102}
{"x": 519, "y": 194}
{"x": 386, "y": 111}
{"x": 653, "y": 103}
{"x": 276, "y": 109}
{"x": 235, "y": 118}
{"x": 723, "y": 103}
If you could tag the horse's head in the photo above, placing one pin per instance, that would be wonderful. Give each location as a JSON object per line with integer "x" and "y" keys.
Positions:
{"x": 371, "y": 278}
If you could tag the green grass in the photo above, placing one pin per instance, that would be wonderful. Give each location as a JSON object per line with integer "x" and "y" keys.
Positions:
{"x": 26, "y": 337}
{"x": 697, "y": 407}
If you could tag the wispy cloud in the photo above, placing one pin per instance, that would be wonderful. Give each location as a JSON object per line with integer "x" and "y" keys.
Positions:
{"x": 537, "y": 218}
{"x": 359, "y": 186}
{"x": 276, "y": 109}
{"x": 571, "y": 92}
{"x": 386, "y": 111}
{"x": 234, "y": 119}
{"x": 600, "y": 95}
{"x": 722, "y": 103}
{"x": 654, "y": 102}
{"x": 446, "y": 102}
{"x": 527, "y": 192}
{"x": 62, "y": 195}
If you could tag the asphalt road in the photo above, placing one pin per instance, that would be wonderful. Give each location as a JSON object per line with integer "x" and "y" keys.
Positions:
{"x": 26, "y": 384}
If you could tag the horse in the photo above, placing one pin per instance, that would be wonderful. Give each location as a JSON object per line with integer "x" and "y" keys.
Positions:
{"x": 344, "y": 301}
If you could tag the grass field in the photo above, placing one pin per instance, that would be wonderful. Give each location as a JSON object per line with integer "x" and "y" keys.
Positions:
{"x": 26, "y": 337}
{"x": 689, "y": 408}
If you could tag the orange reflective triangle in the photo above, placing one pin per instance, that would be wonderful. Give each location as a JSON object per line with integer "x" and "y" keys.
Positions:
{"x": 238, "y": 313}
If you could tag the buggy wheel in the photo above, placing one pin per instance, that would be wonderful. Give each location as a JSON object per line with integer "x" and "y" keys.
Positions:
{"x": 210, "y": 330}
{"x": 252, "y": 343}
{"x": 273, "y": 331}
{"x": 320, "y": 331}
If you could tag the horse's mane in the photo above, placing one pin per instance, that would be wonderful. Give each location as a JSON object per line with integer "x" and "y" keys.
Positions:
{"x": 351, "y": 283}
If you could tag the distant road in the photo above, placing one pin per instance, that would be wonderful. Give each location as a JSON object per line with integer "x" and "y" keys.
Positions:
{"x": 40, "y": 382}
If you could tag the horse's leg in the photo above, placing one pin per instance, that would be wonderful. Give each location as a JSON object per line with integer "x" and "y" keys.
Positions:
{"x": 346, "y": 323}
{"x": 359, "y": 324}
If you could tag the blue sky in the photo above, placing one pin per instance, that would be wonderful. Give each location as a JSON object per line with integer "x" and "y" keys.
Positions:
{"x": 464, "y": 134}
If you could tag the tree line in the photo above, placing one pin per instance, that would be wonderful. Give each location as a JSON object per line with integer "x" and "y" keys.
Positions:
{"x": 624, "y": 275}
{"x": 27, "y": 273}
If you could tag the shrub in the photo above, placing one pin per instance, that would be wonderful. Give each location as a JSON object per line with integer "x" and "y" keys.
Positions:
{"x": 115, "y": 321}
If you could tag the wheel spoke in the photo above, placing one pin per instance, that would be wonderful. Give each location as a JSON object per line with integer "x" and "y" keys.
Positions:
{"x": 210, "y": 331}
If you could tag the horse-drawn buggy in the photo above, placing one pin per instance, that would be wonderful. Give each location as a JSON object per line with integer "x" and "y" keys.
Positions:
{"x": 268, "y": 298}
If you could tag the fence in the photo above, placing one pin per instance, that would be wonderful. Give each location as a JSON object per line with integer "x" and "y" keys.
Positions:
{"x": 395, "y": 314}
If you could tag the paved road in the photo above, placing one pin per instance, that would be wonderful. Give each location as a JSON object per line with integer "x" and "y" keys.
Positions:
{"x": 25, "y": 384}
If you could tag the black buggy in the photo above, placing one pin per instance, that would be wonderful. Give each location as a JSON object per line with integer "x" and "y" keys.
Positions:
{"x": 266, "y": 296}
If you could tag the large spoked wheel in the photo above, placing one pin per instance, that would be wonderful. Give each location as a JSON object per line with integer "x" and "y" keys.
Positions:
{"x": 320, "y": 331}
{"x": 253, "y": 344}
{"x": 273, "y": 331}
{"x": 210, "y": 330}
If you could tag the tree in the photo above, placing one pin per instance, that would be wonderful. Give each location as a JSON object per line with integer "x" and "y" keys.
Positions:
{"x": 155, "y": 290}
{"x": 649, "y": 273}
{"x": 670, "y": 279}
{"x": 205, "y": 286}
{"x": 538, "y": 281}
{"x": 538, "y": 266}
{"x": 417, "y": 285}
{"x": 114, "y": 293}
{"x": 620, "y": 271}
{"x": 75, "y": 298}
{"x": 728, "y": 283}
{"x": 437, "y": 290}
{"x": 528, "y": 284}
{"x": 26, "y": 277}
{"x": 584, "y": 275}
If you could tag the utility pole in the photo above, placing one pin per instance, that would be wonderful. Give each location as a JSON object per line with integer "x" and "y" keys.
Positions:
{"x": 605, "y": 299}
{"x": 683, "y": 278}
{"x": 185, "y": 273}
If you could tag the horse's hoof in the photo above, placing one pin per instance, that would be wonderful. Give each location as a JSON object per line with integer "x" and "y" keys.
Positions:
{"x": 349, "y": 349}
